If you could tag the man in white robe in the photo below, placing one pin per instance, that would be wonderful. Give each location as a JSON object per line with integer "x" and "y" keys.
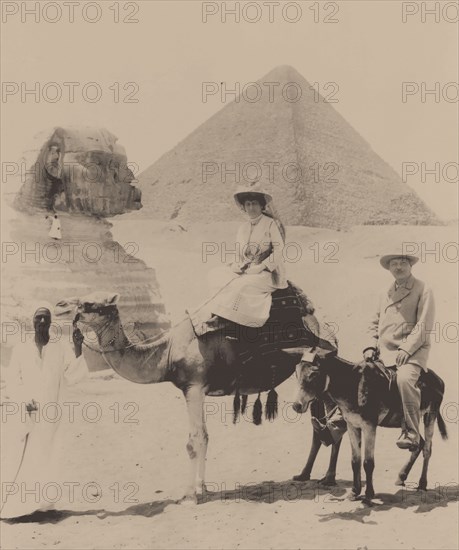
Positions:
{"x": 38, "y": 370}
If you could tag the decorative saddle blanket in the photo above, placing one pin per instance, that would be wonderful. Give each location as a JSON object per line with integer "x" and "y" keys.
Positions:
{"x": 290, "y": 324}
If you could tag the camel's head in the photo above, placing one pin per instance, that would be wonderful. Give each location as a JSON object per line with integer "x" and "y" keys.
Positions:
{"x": 92, "y": 310}
{"x": 97, "y": 308}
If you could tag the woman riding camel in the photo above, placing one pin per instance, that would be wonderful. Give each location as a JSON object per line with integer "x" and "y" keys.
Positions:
{"x": 259, "y": 267}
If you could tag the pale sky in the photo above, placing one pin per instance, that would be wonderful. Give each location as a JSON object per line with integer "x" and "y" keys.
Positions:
{"x": 170, "y": 52}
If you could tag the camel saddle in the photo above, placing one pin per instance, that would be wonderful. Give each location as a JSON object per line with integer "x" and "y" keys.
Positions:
{"x": 291, "y": 324}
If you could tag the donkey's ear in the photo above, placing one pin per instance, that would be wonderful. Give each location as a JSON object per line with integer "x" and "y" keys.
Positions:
{"x": 112, "y": 299}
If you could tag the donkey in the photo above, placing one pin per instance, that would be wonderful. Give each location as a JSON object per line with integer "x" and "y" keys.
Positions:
{"x": 368, "y": 400}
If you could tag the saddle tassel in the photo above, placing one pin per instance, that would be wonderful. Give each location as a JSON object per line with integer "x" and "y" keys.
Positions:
{"x": 271, "y": 405}
{"x": 236, "y": 406}
{"x": 243, "y": 403}
{"x": 257, "y": 411}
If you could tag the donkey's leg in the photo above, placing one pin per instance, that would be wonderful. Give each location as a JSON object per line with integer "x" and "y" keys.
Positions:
{"x": 337, "y": 427}
{"x": 306, "y": 472}
{"x": 197, "y": 442}
{"x": 403, "y": 474}
{"x": 369, "y": 437}
{"x": 330, "y": 476}
{"x": 355, "y": 437}
{"x": 429, "y": 426}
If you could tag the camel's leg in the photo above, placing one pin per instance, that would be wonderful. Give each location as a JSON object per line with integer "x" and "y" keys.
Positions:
{"x": 197, "y": 442}
{"x": 306, "y": 472}
{"x": 369, "y": 437}
{"x": 429, "y": 425}
{"x": 330, "y": 476}
{"x": 355, "y": 437}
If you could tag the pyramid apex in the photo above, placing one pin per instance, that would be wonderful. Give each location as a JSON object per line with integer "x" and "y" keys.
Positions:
{"x": 284, "y": 73}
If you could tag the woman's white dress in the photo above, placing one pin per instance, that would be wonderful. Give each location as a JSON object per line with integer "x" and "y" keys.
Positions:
{"x": 29, "y": 462}
{"x": 246, "y": 299}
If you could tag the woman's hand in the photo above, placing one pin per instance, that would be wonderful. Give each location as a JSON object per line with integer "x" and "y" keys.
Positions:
{"x": 235, "y": 268}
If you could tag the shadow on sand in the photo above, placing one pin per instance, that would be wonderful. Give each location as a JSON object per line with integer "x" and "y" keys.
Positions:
{"x": 404, "y": 499}
{"x": 146, "y": 509}
{"x": 269, "y": 492}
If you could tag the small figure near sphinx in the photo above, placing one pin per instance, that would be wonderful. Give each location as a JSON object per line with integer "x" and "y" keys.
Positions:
{"x": 55, "y": 227}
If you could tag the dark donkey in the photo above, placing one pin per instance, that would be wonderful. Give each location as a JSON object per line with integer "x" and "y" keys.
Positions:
{"x": 367, "y": 400}
{"x": 319, "y": 411}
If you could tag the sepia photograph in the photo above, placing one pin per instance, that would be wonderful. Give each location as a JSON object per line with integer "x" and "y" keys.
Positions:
{"x": 229, "y": 275}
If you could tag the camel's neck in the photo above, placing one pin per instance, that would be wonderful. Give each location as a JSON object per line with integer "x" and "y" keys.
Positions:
{"x": 144, "y": 364}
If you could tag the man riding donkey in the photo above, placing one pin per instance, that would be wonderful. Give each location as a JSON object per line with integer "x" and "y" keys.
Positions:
{"x": 399, "y": 335}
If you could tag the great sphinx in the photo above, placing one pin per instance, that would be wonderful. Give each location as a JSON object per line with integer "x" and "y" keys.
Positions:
{"x": 77, "y": 170}
{"x": 83, "y": 175}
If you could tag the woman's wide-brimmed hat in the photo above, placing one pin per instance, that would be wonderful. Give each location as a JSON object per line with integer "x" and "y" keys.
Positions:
{"x": 386, "y": 259}
{"x": 246, "y": 190}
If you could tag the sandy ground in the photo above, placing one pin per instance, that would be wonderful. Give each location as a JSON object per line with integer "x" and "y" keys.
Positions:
{"x": 129, "y": 464}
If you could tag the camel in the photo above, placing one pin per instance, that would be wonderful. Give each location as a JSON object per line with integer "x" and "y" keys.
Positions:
{"x": 198, "y": 367}
{"x": 367, "y": 400}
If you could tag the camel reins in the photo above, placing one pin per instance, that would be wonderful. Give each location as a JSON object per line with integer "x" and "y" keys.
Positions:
{"x": 328, "y": 415}
{"x": 112, "y": 311}
{"x": 105, "y": 327}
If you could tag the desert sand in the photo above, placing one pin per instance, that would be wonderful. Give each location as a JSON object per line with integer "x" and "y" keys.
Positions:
{"x": 130, "y": 466}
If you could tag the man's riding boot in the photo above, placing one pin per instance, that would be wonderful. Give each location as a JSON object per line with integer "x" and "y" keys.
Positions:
{"x": 407, "y": 442}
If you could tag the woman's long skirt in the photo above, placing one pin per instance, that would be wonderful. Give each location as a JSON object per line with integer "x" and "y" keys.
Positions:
{"x": 244, "y": 299}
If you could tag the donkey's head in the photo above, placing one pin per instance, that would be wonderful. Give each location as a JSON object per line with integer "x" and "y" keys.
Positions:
{"x": 311, "y": 377}
{"x": 312, "y": 382}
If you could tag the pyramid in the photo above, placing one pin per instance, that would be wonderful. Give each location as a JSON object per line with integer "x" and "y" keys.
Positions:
{"x": 320, "y": 171}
